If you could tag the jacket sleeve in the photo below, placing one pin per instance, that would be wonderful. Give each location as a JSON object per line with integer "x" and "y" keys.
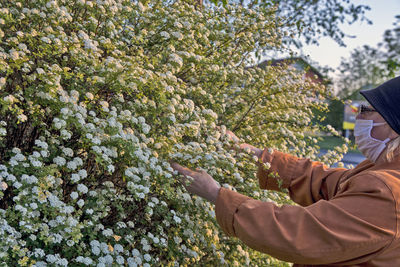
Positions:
{"x": 348, "y": 229}
{"x": 307, "y": 181}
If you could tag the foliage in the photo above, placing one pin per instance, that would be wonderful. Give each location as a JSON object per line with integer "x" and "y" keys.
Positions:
{"x": 334, "y": 116}
{"x": 98, "y": 96}
{"x": 321, "y": 17}
{"x": 312, "y": 19}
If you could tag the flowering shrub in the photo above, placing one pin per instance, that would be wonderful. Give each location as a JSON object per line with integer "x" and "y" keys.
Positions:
{"x": 96, "y": 98}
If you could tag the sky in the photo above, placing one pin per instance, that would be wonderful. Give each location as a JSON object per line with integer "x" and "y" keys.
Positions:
{"x": 382, "y": 14}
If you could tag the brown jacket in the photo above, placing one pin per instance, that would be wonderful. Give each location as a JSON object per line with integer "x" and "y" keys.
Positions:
{"x": 345, "y": 217}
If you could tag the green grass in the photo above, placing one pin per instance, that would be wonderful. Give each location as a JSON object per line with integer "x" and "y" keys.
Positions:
{"x": 329, "y": 142}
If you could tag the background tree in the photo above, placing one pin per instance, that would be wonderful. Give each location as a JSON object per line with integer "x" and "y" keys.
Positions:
{"x": 369, "y": 66}
{"x": 365, "y": 66}
{"x": 312, "y": 19}
{"x": 391, "y": 43}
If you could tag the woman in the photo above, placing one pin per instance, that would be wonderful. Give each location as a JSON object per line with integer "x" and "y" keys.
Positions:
{"x": 345, "y": 217}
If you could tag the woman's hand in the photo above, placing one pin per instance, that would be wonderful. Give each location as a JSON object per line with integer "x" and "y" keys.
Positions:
{"x": 198, "y": 182}
{"x": 232, "y": 136}
{"x": 256, "y": 151}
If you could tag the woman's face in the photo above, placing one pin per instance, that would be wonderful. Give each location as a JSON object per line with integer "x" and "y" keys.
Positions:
{"x": 378, "y": 132}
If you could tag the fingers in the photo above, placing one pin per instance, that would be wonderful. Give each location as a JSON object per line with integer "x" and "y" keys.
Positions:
{"x": 186, "y": 181}
{"x": 198, "y": 182}
{"x": 182, "y": 170}
{"x": 232, "y": 136}
{"x": 188, "y": 175}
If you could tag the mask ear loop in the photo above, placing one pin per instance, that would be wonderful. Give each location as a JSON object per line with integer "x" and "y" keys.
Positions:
{"x": 378, "y": 123}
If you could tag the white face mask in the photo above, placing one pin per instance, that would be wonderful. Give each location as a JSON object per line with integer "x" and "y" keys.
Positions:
{"x": 369, "y": 146}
